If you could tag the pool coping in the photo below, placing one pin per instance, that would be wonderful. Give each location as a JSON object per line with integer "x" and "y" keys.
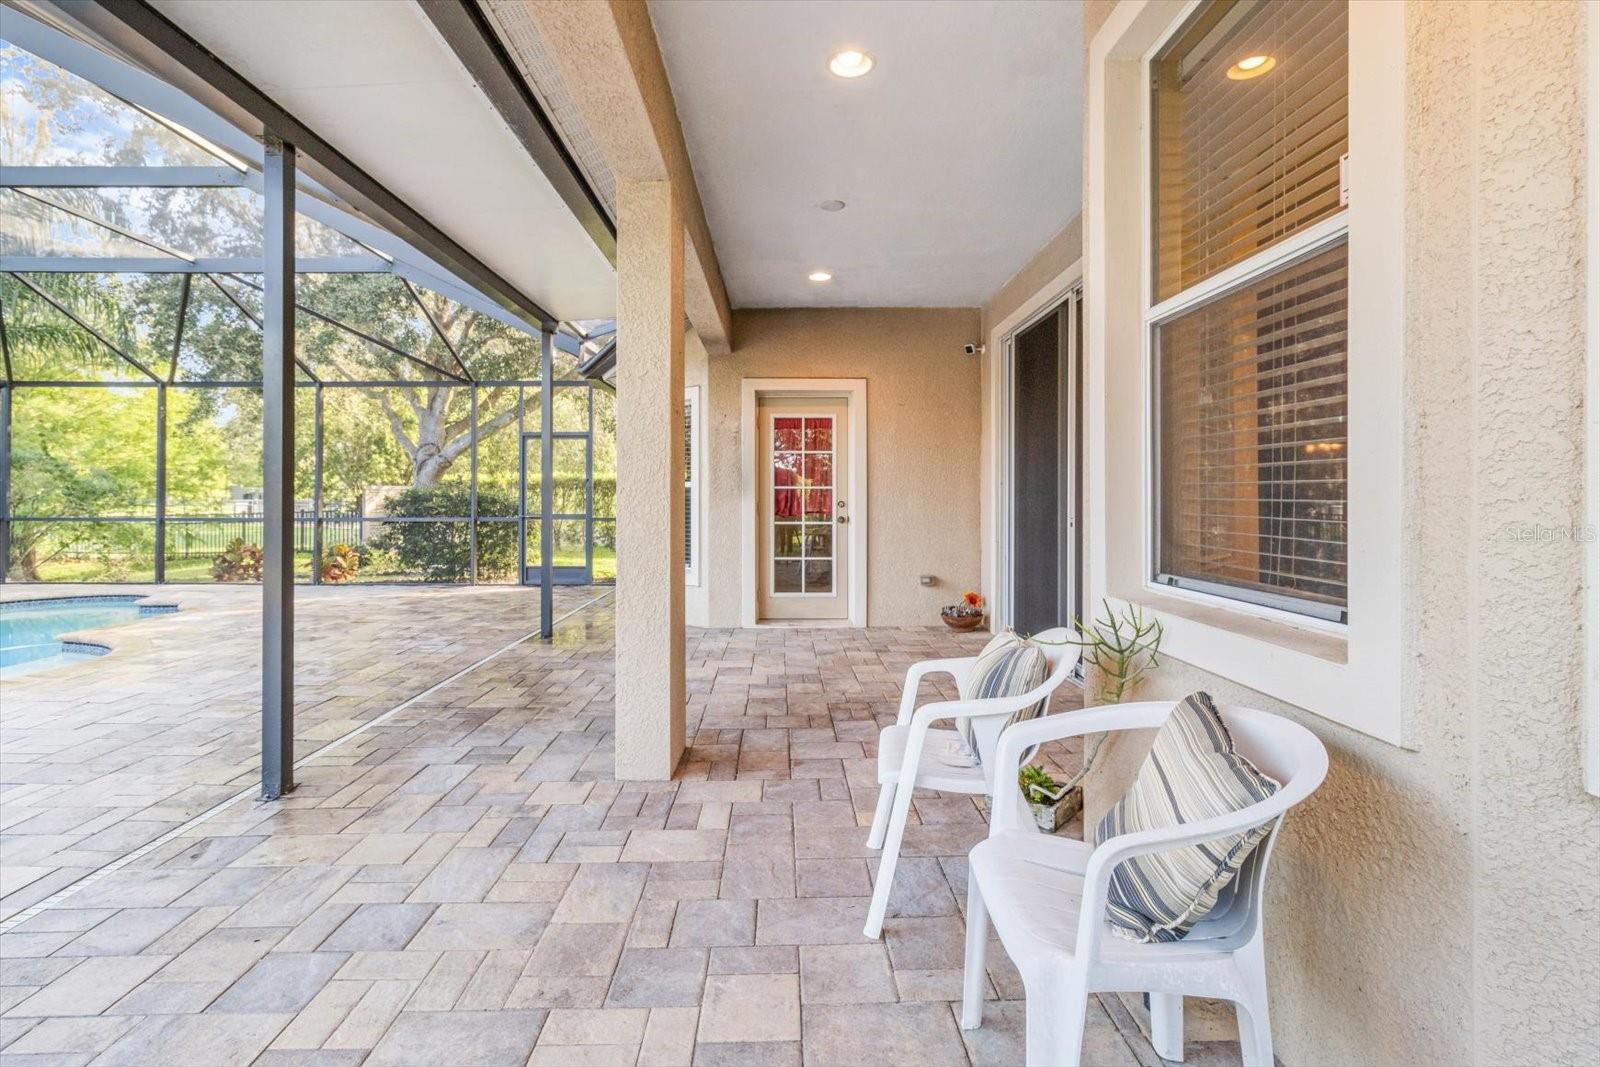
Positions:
{"x": 77, "y": 641}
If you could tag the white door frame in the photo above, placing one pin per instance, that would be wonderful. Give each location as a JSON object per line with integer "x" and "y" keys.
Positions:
{"x": 854, "y": 392}
{"x": 1045, "y": 301}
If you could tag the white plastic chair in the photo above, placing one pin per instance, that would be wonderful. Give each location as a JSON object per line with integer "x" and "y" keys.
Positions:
{"x": 911, "y": 754}
{"x": 1046, "y": 897}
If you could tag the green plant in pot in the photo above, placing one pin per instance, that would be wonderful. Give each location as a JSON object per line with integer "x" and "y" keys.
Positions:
{"x": 1119, "y": 649}
{"x": 1051, "y": 802}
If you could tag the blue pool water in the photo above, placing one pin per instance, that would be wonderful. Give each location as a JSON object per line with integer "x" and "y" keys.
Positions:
{"x": 31, "y": 630}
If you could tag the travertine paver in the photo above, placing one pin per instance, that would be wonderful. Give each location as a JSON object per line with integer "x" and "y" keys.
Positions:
{"x": 108, "y": 754}
{"x": 465, "y": 884}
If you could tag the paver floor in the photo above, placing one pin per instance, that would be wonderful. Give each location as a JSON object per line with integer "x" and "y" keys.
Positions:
{"x": 102, "y": 756}
{"x": 464, "y": 883}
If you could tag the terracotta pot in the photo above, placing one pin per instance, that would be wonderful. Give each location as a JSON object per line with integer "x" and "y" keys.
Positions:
{"x": 962, "y": 622}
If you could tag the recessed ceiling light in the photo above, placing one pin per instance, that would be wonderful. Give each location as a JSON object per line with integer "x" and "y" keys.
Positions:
{"x": 832, "y": 205}
{"x": 1251, "y": 67}
{"x": 850, "y": 63}
{"x": 820, "y": 276}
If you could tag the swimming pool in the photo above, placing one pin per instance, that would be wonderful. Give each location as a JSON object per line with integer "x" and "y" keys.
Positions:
{"x": 31, "y": 630}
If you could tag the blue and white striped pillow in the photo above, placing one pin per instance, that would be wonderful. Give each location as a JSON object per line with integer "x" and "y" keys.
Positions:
{"x": 1192, "y": 773}
{"x": 1008, "y": 666}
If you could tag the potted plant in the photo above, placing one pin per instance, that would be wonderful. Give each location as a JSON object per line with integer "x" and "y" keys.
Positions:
{"x": 1052, "y": 804}
{"x": 1118, "y": 649}
{"x": 967, "y": 615}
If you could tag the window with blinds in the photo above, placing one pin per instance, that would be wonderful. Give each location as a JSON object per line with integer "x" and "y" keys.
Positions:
{"x": 1250, "y": 119}
{"x": 1251, "y": 449}
{"x": 691, "y": 479}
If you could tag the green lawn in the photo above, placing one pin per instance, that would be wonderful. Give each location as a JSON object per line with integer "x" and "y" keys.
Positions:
{"x": 198, "y": 569}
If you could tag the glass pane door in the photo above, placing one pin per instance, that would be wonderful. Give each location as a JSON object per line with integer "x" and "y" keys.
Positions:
{"x": 571, "y": 493}
{"x": 802, "y": 505}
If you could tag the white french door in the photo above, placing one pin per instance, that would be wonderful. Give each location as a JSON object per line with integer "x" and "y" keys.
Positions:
{"x": 804, "y": 565}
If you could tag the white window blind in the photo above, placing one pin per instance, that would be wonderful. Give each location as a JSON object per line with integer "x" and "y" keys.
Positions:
{"x": 691, "y": 484}
{"x": 1245, "y": 158}
{"x": 1248, "y": 100}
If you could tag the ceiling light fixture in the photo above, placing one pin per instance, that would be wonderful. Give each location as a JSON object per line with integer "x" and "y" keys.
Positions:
{"x": 850, "y": 63}
{"x": 1251, "y": 67}
{"x": 820, "y": 276}
{"x": 832, "y": 205}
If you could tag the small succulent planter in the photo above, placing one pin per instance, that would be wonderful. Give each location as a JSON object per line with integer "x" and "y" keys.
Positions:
{"x": 1051, "y": 817}
{"x": 1051, "y": 803}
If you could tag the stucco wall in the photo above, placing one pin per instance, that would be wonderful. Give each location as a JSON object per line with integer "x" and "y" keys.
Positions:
{"x": 1057, "y": 254}
{"x": 1440, "y": 905}
{"x": 922, "y": 451}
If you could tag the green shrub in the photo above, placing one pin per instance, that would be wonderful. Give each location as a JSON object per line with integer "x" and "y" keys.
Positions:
{"x": 239, "y": 562}
{"x": 340, "y": 564}
{"x": 442, "y": 551}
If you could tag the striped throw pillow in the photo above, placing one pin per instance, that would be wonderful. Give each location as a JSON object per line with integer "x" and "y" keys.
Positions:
{"x": 1192, "y": 773}
{"x": 1008, "y": 666}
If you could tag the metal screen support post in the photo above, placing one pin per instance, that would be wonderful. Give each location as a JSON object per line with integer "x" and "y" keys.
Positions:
{"x": 472, "y": 490}
{"x": 5, "y": 482}
{"x": 316, "y": 489}
{"x": 547, "y": 374}
{"x": 522, "y": 488}
{"x": 277, "y": 527}
{"x": 161, "y": 482}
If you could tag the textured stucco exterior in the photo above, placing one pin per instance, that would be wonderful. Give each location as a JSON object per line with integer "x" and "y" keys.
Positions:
{"x": 649, "y": 615}
{"x": 611, "y": 67}
{"x": 922, "y": 446}
{"x": 1439, "y": 905}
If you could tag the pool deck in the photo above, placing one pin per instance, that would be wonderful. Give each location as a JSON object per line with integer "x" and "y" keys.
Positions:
{"x": 101, "y": 756}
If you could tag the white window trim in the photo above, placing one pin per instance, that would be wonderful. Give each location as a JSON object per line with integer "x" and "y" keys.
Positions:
{"x": 997, "y": 436}
{"x": 1350, "y": 674}
{"x": 1308, "y": 242}
{"x": 1591, "y": 696}
{"x": 691, "y": 404}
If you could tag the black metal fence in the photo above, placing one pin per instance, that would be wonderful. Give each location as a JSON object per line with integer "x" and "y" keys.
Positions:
{"x": 204, "y": 536}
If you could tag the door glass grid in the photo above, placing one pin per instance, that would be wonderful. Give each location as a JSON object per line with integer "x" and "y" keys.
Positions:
{"x": 802, "y": 505}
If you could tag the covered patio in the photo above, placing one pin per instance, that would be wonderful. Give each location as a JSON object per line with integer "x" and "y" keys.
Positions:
{"x": 464, "y": 880}
{"x": 587, "y": 444}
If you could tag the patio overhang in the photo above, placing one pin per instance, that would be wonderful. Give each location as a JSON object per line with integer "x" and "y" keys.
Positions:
{"x": 388, "y": 121}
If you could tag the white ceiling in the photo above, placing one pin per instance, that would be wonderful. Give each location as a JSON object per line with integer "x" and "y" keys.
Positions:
{"x": 958, "y": 156}
{"x": 374, "y": 79}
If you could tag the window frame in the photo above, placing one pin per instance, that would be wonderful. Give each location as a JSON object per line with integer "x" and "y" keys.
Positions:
{"x": 691, "y": 485}
{"x": 1281, "y": 255}
{"x": 1352, "y": 675}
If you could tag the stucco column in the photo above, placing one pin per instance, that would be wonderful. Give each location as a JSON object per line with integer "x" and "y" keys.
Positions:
{"x": 650, "y": 636}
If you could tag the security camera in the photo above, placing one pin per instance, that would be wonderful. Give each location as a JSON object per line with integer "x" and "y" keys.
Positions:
{"x": 973, "y": 349}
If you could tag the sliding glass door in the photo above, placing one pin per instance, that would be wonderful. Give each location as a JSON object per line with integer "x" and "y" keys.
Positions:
{"x": 1045, "y": 469}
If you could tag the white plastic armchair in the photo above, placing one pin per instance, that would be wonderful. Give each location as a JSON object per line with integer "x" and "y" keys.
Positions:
{"x": 913, "y": 754}
{"x": 1046, "y": 897}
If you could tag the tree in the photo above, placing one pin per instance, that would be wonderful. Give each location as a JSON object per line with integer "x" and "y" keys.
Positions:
{"x": 91, "y": 452}
{"x": 430, "y": 419}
